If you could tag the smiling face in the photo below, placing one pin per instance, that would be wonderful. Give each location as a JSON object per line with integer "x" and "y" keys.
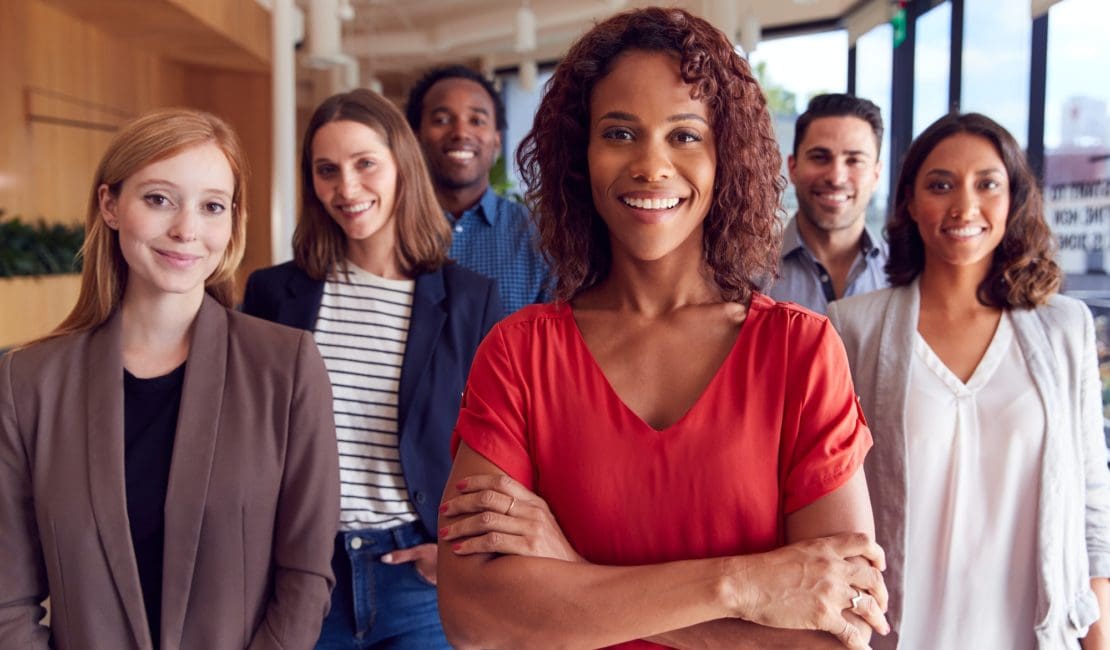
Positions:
{"x": 458, "y": 132}
{"x": 961, "y": 202}
{"x": 354, "y": 175}
{"x": 174, "y": 219}
{"x": 835, "y": 172}
{"x": 652, "y": 156}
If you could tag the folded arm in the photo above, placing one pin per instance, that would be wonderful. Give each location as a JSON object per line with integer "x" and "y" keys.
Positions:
{"x": 578, "y": 604}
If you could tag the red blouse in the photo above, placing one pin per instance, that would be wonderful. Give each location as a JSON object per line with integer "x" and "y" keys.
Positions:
{"x": 777, "y": 427}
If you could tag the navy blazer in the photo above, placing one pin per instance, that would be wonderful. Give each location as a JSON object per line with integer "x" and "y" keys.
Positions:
{"x": 452, "y": 310}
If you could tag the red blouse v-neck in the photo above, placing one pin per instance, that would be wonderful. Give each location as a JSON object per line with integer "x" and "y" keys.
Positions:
{"x": 778, "y": 427}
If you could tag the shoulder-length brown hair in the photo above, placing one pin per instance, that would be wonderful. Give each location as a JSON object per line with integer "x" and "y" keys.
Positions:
{"x": 148, "y": 139}
{"x": 742, "y": 228}
{"x": 1023, "y": 272}
{"x": 423, "y": 235}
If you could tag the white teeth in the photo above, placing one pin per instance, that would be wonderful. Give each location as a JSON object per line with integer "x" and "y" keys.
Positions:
{"x": 966, "y": 231}
{"x": 461, "y": 155}
{"x": 357, "y": 207}
{"x": 651, "y": 204}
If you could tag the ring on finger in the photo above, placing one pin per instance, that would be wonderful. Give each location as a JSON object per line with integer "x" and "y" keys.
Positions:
{"x": 509, "y": 510}
{"x": 857, "y": 599}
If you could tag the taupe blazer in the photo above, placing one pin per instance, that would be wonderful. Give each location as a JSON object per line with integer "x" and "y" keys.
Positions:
{"x": 251, "y": 509}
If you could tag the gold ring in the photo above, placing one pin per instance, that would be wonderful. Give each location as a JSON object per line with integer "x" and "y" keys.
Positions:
{"x": 510, "y": 508}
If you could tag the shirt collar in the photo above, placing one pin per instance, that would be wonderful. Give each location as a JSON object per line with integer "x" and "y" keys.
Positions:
{"x": 486, "y": 207}
{"x": 792, "y": 241}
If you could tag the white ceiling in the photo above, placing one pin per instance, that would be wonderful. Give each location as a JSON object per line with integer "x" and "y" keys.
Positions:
{"x": 412, "y": 35}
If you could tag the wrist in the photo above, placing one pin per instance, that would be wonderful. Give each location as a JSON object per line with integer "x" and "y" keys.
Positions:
{"x": 733, "y": 587}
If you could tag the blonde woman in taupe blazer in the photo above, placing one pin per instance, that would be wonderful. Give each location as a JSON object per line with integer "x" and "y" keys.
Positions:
{"x": 237, "y": 457}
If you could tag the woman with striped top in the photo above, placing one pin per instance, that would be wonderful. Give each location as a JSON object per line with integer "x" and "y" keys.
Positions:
{"x": 397, "y": 325}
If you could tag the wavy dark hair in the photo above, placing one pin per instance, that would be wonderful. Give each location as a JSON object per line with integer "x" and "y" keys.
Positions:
{"x": 1023, "y": 271}
{"x": 742, "y": 228}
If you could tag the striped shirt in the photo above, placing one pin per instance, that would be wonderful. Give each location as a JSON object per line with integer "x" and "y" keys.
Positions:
{"x": 361, "y": 331}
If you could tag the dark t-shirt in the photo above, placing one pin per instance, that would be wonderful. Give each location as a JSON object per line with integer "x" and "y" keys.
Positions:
{"x": 150, "y": 424}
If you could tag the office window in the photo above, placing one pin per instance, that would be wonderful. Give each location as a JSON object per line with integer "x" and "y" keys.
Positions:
{"x": 874, "y": 62}
{"x": 793, "y": 69}
{"x": 520, "y": 111}
{"x": 1077, "y": 139}
{"x": 996, "y": 54}
{"x": 932, "y": 62}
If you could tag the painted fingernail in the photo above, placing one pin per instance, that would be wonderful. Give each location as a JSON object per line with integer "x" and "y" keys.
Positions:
{"x": 443, "y": 532}
{"x": 461, "y": 485}
{"x": 456, "y": 547}
{"x": 443, "y": 507}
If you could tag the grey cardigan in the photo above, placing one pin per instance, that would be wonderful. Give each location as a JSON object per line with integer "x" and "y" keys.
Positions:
{"x": 1058, "y": 343}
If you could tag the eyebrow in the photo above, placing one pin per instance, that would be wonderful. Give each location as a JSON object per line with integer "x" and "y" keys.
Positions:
{"x": 629, "y": 117}
{"x": 353, "y": 155}
{"x": 981, "y": 172}
{"x": 849, "y": 152}
{"x": 477, "y": 109}
{"x": 162, "y": 181}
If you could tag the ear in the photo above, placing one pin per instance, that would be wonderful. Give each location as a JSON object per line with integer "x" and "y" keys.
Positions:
{"x": 108, "y": 206}
{"x": 791, "y": 163}
{"x": 497, "y": 143}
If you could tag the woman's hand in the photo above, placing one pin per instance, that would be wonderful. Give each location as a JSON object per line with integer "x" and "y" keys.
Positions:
{"x": 506, "y": 518}
{"x": 423, "y": 555}
{"x": 814, "y": 584}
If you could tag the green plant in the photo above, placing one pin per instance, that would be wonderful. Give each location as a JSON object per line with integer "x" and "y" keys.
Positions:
{"x": 38, "y": 249}
{"x": 501, "y": 183}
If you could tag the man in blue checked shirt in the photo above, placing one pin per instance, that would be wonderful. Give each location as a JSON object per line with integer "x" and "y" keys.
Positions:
{"x": 458, "y": 117}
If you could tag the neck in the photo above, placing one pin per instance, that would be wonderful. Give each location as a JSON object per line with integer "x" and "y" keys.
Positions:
{"x": 658, "y": 287}
{"x": 459, "y": 200}
{"x": 156, "y": 329}
{"x": 377, "y": 255}
{"x": 951, "y": 289}
{"x": 831, "y": 247}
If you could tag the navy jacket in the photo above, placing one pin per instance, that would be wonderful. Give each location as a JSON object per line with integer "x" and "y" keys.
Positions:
{"x": 452, "y": 310}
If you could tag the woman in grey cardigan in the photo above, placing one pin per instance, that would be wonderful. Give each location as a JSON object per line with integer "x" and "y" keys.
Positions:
{"x": 989, "y": 474}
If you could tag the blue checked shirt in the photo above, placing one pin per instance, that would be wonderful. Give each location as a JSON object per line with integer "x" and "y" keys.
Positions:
{"x": 805, "y": 281}
{"x": 497, "y": 239}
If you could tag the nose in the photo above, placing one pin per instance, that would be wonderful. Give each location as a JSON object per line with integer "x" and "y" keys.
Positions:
{"x": 184, "y": 226}
{"x": 652, "y": 163}
{"x": 837, "y": 172}
{"x": 965, "y": 204}
{"x": 348, "y": 183}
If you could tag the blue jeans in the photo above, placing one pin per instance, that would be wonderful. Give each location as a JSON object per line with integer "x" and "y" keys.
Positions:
{"x": 376, "y": 605}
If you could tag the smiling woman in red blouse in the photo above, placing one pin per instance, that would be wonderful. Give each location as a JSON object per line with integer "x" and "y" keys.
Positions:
{"x": 664, "y": 454}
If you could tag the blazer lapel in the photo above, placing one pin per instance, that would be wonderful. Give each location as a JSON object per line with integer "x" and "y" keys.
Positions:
{"x": 302, "y": 302}
{"x": 891, "y": 392}
{"x": 193, "y": 449}
{"x": 1034, "y": 342}
{"x": 428, "y": 317}
{"x": 107, "y": 486}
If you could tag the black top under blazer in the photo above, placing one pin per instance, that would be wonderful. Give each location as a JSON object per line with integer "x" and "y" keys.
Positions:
{"x": 452, "y": 310}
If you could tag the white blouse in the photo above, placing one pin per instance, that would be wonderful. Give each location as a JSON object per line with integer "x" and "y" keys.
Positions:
{"x": 973, "y": 468}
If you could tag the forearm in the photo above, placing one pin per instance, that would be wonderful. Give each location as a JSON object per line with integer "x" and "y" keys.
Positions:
{"x": 518, "y": 602}
{"x": 1098, "y": 637}
{"x": 735, "y": 634}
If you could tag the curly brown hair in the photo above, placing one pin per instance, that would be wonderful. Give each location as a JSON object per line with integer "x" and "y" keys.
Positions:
{"x": 742, "y": 228}
{"x": 1023, "y": 271}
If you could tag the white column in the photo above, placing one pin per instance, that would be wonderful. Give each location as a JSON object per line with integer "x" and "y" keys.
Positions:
{"x": 283, "y": 181}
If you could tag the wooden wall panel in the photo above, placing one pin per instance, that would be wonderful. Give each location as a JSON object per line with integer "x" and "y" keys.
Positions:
{"x": 244, "y": 100}
{"x": 15, "y": 145}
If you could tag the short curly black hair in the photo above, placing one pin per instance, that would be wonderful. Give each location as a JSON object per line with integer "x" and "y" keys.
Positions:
{"x": 414, "y": 110}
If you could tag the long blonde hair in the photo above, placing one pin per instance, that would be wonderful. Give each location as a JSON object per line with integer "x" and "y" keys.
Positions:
{"x": 148, "y": 139}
